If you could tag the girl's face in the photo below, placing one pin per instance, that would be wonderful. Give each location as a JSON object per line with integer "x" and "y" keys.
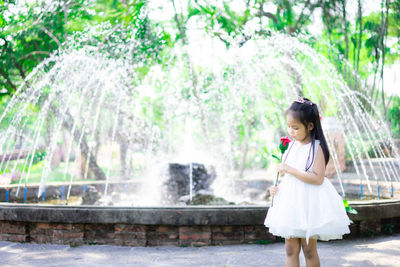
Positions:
{"x": 297, "y": 130}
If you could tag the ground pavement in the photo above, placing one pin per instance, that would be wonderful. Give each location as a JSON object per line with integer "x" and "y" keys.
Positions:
{"x": 372, "y": 251}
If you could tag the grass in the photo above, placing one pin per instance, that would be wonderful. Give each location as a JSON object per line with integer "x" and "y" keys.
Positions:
{"x": 55, "y": 175}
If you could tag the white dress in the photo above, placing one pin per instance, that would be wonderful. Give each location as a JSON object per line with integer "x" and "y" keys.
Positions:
{"x": 305, "y": 210}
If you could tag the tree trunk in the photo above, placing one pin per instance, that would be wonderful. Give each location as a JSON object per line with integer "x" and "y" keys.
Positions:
{"x": 98, "y": 172}
{"x": 245, "y": 149}
{"x": 65, "y": 10}
{"x": 373, "y": 98}
{"x": 261, "y": 15}
{"x": 383, "y": 39}
{"x": 97, "y": 139}
{"x": 359, "y": 44}
{"x": 297, "y": 80}
{"x": 193, "y": 74}
{"x": 299, "y": 23}
{"x": 84, "y": 147}
{"x": 123, "y": 152}
{"x": 8, "y": 80}
{"x": 346, "y": 39}
{"x": 123, "y": 149}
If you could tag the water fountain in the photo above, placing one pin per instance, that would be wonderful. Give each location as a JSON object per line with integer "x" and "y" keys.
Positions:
{"x": 120, "y": 130}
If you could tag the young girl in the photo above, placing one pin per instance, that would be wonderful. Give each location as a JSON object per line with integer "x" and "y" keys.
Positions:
{"x": 306, "y": 205}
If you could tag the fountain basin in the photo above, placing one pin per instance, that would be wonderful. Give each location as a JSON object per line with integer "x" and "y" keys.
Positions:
{"x": 181, "y": 226}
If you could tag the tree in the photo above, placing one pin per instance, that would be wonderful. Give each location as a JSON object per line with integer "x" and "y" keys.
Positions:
{"x": 28, "y": 37}
{"x": 36, "y": 30}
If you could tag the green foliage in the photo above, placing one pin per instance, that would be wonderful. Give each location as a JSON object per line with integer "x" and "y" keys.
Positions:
{"x": 349, "y": 209}
{"x": 29, "y": 36}
{"x": 56, "y": 174}
{"x": 265, "y": 242}
{"x": 275, "y": 156}
{"x": 388, "y": 228}
{"x": 394, "y": 116}
{"x": 34, "y": 33}
{"x": 37, "y": 157}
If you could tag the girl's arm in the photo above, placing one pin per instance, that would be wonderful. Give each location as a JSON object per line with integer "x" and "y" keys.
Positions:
{"x": 315, "y": 177}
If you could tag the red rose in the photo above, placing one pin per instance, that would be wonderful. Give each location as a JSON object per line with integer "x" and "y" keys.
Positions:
{"x": 284, "y": 144}
{"x": 285, "y": 141}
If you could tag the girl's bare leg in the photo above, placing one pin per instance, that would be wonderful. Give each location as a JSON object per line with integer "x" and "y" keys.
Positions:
{"x": 292, "y": 246}
{"x": 310, "y": 252}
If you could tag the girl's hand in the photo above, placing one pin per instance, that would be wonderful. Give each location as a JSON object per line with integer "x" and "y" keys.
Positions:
{"x": 283, "y": 168}
{"x": 273, "y": 190}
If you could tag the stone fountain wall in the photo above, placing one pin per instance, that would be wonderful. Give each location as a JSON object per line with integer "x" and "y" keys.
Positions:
{"x": 180, "y": 226}
{"x": 132, "y": 235}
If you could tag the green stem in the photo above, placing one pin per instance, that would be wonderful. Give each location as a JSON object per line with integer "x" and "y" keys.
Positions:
{"x": 277, "y": 177}
{"x": 276, "y": 182}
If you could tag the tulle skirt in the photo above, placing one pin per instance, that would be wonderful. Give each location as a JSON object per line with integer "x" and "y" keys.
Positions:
{"x": 305, "y": 210}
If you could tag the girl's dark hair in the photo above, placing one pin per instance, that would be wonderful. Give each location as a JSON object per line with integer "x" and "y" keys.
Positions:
{"x": 307, "y": 112}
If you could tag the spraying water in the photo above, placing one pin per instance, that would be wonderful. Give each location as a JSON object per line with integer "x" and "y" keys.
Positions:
{"x": 228, "y": 120}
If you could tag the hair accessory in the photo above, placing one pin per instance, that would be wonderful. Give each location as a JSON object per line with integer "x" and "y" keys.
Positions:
{"x": 302, "y": 100}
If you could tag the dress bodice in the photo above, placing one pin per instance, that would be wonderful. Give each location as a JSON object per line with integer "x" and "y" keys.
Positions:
{"x": 299, "y": 155}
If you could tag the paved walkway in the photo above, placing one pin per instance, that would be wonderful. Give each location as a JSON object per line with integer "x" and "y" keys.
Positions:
{"x": 374, "y": 251}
